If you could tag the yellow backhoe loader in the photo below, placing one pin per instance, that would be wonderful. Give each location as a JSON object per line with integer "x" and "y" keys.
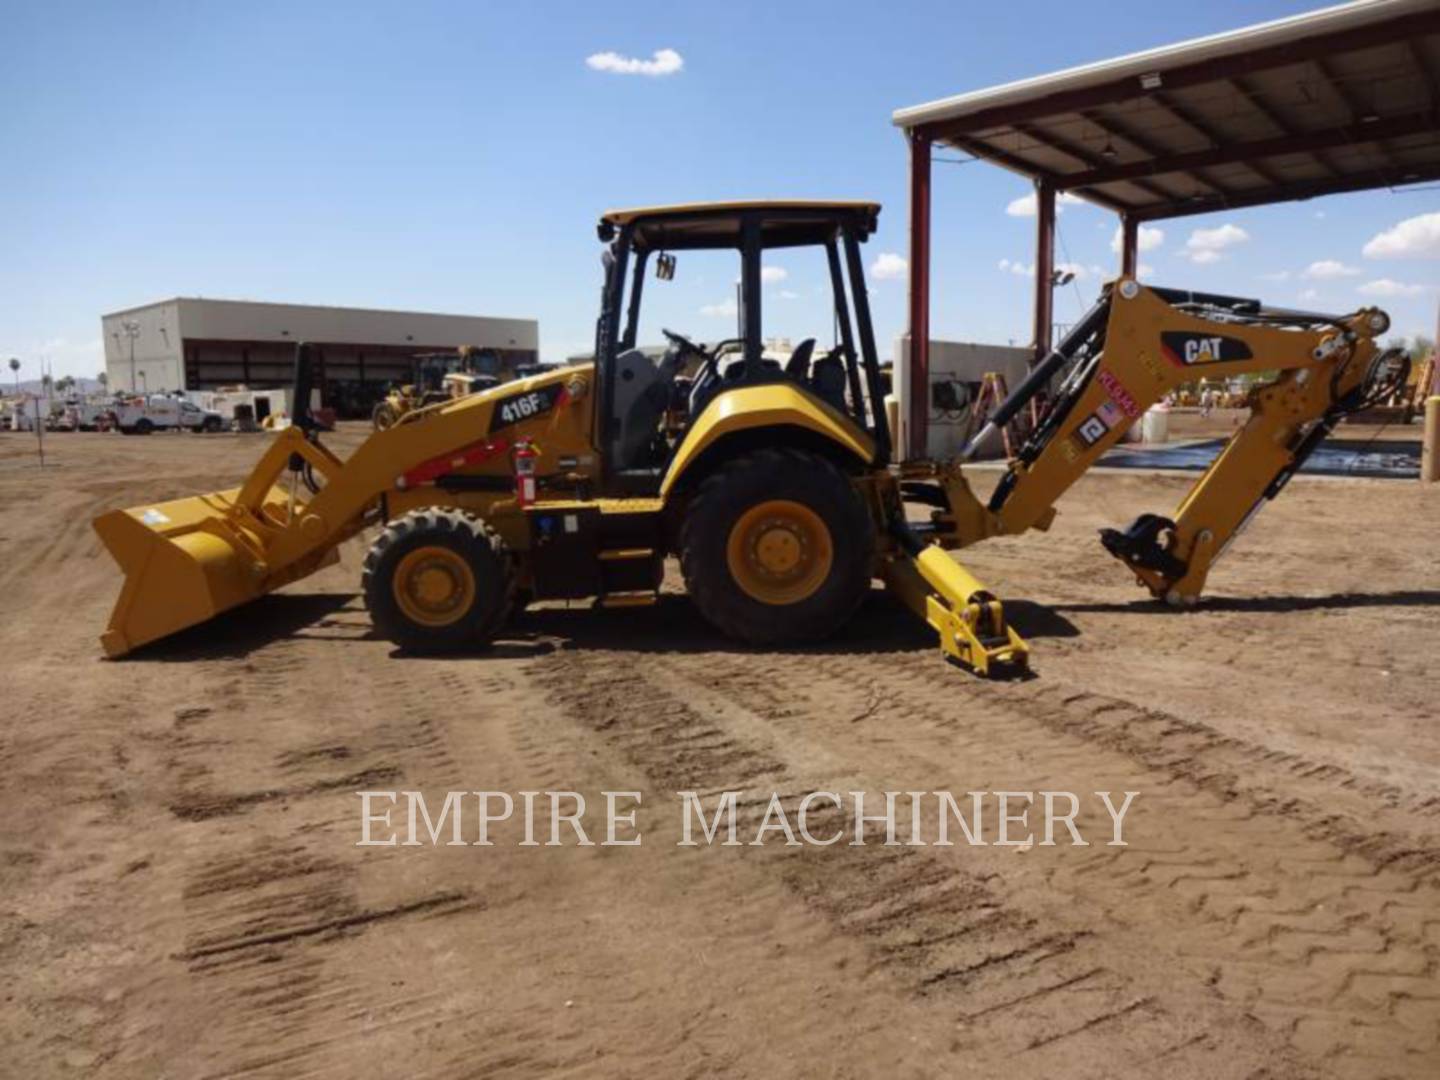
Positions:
{"x": 772, "y": 483}
{"x": 443, "y": 377}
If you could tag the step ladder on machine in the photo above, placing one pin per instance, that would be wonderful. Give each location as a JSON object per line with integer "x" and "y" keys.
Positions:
{"x": 991, "y": 393}
{"x": 629, "y": 577}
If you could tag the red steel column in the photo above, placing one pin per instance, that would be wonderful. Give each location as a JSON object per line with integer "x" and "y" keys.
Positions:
{"x": 1044, "y": 267}
{"x": 919, "y": 381}
{"x": 1129, "y": 244}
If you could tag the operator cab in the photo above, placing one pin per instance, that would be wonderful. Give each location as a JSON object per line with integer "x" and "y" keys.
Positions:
{"x": 650, "y": 397}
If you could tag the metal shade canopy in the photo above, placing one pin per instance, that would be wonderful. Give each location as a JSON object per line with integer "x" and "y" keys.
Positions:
{"x": 1342, "y": 99}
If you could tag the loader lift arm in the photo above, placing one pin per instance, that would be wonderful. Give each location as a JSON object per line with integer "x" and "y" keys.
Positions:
{"x": 1134, "y": 347}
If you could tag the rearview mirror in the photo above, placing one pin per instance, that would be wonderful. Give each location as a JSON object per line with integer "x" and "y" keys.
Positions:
{"x": 665, "y": 267}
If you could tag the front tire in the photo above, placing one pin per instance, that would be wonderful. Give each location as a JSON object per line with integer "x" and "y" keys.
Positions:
{"x": 777, "y": 548}
{"x": 438, "y": 581}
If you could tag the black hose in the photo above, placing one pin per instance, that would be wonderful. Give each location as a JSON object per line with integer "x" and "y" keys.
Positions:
{"x": 1046, "y": 369}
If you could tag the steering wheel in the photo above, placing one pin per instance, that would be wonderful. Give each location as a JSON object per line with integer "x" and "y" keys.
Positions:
{"x": 684, "y": 344}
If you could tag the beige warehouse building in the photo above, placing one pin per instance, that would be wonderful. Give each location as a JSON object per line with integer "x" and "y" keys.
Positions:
{"x": 191, "y": 343}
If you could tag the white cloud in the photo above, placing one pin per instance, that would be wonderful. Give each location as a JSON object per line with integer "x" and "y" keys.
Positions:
{"x": 789, "y": 294}
{"x": 1308, "y": 295}
{"x": 1027, "y": 270}
{"x": 1205, "y": 245}
{"x": 1327, "y": 269}
{"x": 1082, "y": 273}
{"x": 661, "y": 62}
{"x": 1319, "y": 215}
{"x": 1027, "y": 205}
{"x": 1148, "y": 239}
{"x": 724, "y": 309}
{"x": 1413, "y": 238}
{"x": 1278, "y": 275}
{"x": 1388, "y": 288}
{"x": 888, "y": 266}
{"x": 1144, "y": 270}
{"x": 772, "y": 275}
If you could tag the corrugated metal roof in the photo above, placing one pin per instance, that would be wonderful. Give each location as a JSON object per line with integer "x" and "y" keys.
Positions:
{"x": 1341, "y": 99}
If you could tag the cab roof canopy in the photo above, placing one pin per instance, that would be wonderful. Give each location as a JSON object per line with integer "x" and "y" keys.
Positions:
{"x": 1341, "y": 99}
{"x": 783, "y": 223}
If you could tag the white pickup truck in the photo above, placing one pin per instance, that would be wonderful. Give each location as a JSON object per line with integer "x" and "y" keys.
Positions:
{"x": 142, "y": 416}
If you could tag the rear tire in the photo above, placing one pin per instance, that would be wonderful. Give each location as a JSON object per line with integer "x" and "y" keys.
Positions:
{"x": 438, "y": 581}
{"x": 143, "y": 427}
{"x": 384, "y": 416}
{"x": 777, "y": 548}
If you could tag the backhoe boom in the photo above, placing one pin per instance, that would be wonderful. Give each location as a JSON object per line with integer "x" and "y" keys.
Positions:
{"x": 1135, "y": 347}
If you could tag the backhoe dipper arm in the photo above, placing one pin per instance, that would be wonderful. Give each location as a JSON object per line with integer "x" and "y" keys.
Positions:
{"x": 1154, "y": 341}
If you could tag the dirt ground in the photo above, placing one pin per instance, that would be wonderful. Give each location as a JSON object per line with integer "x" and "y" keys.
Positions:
{"x": 181, "y": 894}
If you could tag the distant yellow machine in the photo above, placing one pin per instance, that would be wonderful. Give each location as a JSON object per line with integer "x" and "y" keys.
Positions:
{"x": 441, "y": 377}
{"x": 771, "y": 482}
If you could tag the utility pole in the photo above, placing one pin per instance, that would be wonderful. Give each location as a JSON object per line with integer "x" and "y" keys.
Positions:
{"x": 132, "y": 331}
{"x": 40, "y": 430}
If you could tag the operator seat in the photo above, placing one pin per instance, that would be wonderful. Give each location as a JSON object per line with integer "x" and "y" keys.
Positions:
{"x": 798, "y": 366}
{"x": 642, "y": 392}
{"x": 712, "y": 380}
{"x": 827, "y": 379}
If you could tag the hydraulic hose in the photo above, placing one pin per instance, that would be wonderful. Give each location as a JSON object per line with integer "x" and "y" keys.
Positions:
{"x": 1040, "y": 375}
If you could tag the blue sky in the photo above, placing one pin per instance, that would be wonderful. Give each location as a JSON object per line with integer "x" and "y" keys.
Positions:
{"x": 454, "y": 157}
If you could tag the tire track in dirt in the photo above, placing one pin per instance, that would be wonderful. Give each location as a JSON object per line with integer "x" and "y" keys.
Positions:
{"x": 1385, "y": 824}
{"x": 1338, "y": 966}
{"x": 270, "y": 928}
{"x": 1023, "y": 982}
{"x": 295, "y": 942}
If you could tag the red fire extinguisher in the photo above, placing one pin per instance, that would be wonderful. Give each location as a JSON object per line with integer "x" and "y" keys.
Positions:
{"x": 525, "y": 455}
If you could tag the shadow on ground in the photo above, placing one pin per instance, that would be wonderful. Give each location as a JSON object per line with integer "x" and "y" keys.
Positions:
{"x": 1268, "y": 604}
{"x": 673, "y": 625}
{"x": 239, "y": 632}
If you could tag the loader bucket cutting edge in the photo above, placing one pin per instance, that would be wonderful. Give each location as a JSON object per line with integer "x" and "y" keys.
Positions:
{"x": 186, "y": 561}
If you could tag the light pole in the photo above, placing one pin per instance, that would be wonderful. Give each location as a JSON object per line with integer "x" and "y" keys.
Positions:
{"x": 132, "y": 331}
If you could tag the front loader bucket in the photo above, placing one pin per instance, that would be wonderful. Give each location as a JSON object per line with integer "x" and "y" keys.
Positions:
{"x": 187, "y": 560}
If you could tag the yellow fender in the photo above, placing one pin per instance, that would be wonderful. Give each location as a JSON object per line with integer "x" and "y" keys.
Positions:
{"x": 767, "y": 405}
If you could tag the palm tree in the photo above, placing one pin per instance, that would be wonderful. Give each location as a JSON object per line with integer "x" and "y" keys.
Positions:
{"x": 103, "y": 379}
{"x": 65, "y": 383}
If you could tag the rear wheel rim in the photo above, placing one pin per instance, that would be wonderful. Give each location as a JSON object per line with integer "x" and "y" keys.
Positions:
{"x": 434, "y": 586}
{"x": 779, "y": 552}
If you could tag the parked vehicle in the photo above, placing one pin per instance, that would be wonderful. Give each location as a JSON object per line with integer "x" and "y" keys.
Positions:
{"x": 141, "y": 416}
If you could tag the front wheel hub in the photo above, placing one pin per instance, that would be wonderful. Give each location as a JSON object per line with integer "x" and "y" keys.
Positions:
{"x": 434, "y": 586}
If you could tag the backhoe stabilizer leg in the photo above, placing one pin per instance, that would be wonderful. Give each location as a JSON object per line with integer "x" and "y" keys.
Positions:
{"x": 968, "y": 618}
